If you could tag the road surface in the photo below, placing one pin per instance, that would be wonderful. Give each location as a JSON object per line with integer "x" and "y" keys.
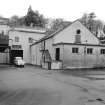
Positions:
{"x": 34, "y": 86}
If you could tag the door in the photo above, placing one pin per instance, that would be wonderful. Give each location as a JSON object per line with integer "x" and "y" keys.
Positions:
{"x": 57, "y": 54}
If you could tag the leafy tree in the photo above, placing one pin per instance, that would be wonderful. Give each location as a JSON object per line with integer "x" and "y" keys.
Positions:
{"x": 34, "y": 18}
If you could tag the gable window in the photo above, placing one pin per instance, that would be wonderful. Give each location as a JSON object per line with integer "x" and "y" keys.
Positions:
{"x": 75, "y": 50}
{"x": 30, "y": 40}
{"x": 89, "y": 50}
{"x": 78, "y": 31}
{"x": 102, "y": 51}
{"x": 16, "y": 39}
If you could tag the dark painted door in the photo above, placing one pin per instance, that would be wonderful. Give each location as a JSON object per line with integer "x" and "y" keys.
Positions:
{"x": 57, "y": 54}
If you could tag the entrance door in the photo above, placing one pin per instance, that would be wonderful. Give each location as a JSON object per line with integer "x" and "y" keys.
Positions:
{"x": 15, "y": 53}
{"x": 57, "y": 54}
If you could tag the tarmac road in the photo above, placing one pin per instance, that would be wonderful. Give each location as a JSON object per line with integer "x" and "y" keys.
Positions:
{"x": 33, "y": 86}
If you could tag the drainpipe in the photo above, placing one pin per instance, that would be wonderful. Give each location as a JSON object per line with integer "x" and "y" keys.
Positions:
{"x": 85, "y": 53}
{"x": 63, "y": 57}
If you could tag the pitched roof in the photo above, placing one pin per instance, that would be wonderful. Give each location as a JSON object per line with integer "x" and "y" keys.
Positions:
{"x": 66, "y": 24}
{"x": 59, "y": 30}
{"x": 28, "y": 30}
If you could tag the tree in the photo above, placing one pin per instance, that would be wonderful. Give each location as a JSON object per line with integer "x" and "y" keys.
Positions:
{"x": 91, "y": 23}
{"x": 54, "y": 25}
{"x": 14, "y": 20}
{"x": 84, "y": 19}
{"x": 34, "y": 18}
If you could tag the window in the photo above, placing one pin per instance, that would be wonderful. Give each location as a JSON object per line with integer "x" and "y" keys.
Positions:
{"x": 30, "y": 40}
{"x": 74, "y": 50}
{"x": 16, "y": 46}
{"x": 102, "y": 51}
{"x": 16, "y": 39}
{"x": 89, "y": 50}
{"x": 78, "y": 31}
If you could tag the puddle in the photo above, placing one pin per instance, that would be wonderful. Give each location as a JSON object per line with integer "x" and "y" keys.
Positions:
{"x": 94, "y": 103}
{"x": 96, "y": 77}
{"x": 98, "y": 101}
{"x": 92, "y": 78}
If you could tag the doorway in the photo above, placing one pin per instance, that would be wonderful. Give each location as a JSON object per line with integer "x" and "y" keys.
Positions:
{"x": 15, "y": 53}
{"x": 57, "y": 54}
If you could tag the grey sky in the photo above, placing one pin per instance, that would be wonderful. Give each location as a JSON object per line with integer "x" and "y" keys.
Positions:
{"x": 66, "y": 9}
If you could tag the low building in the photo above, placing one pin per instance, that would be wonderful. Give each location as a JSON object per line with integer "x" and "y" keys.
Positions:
{"x": 4, "y": 49}
{"x": 4, "y": 41}
{"x": 20, "y": 39}
{"x": 73, "y": 46}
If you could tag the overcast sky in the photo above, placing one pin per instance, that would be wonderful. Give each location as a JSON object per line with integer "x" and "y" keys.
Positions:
{"x": 66, "y": 9}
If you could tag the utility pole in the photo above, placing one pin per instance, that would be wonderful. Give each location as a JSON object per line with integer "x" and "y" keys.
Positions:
{"x": 85, "y": 53}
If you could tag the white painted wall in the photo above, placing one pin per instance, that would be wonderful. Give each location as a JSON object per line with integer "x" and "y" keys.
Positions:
{"x": 81, "y": 59}
{"x": 69, "y": 59}
{"x": 68, "y": 34}
{"x": 37, "y": 54}
{"x": 24, "y": 36}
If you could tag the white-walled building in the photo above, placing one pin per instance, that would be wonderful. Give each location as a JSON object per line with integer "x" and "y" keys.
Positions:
{"x": 20, "y": 39}
{"x": 74, "y": 46}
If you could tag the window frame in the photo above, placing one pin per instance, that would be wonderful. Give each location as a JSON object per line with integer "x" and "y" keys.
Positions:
{"x": 102, "y": 51}
{"x": 75, "y": 50}
{"x": 16, "y": 39}
{"x": 30, "y": 40}
{"x": 89, "y": 51}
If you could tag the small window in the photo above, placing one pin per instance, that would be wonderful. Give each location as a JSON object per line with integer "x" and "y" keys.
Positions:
{"x": 89, "y": 50}
{"x": 102, "y": 51}
{"x": 30, "y": 40}
{"x": 78, "y": 31}
{"x": 16, "y": 39}
{"x": 74, "y": 50}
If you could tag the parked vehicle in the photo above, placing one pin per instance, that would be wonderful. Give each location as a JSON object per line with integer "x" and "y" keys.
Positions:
{"x": 18, "y": 61}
